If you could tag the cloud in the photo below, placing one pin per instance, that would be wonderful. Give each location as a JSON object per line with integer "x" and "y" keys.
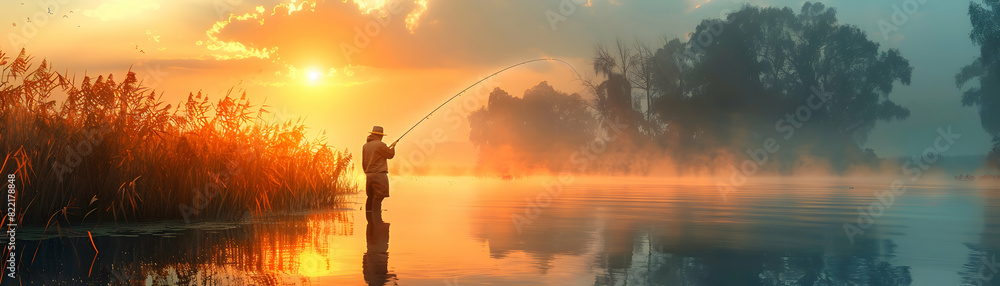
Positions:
{"x": 330, "y": 33}
{"x": 120, "y": 9}
{"x": 414, "y": 17}
{"x": 227, "y": 49}
{"x": 404, "y": 34}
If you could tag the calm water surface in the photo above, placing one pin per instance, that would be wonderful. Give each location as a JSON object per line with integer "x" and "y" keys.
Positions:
{"x": 460, "y": 231}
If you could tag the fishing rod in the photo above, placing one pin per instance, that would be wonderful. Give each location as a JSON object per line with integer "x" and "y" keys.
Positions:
{"x": 480, "y": 81}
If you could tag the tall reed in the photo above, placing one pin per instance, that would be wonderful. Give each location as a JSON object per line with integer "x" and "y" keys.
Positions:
{"x": 115, "y": 151}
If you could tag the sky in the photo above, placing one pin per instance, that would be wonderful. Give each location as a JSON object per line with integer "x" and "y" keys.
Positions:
{"x": 345, "y": 65}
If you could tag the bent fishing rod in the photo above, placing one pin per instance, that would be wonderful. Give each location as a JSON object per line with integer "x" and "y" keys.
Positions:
{"x": 480, "y": 81}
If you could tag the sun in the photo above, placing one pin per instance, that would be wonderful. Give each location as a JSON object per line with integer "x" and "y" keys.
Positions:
{"x": 314, "y": 76}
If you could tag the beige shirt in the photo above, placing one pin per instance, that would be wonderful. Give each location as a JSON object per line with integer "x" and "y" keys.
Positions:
{"x": 374, "y": 155}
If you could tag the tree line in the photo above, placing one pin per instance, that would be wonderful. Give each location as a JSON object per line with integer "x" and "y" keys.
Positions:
{"x": 808, "y": 85}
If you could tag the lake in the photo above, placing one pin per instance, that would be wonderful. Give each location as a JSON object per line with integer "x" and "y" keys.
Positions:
{"x": 592, "y": 231}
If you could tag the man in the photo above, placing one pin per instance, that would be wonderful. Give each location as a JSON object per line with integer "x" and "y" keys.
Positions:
{"x": 373, "y": 161}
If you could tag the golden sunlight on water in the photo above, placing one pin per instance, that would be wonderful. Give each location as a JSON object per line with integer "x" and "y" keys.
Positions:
{"x": 594, "y": 231}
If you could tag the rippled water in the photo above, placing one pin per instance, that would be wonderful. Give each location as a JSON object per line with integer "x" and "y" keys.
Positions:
{"x": 458, "y": 231}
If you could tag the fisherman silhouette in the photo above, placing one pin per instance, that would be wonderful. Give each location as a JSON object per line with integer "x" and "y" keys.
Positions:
{"x": 373, "y": 161}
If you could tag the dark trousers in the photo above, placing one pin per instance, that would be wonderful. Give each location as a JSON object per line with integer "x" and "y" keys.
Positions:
{"x": 373, "y": 201}
{"x": 376, "y": 188}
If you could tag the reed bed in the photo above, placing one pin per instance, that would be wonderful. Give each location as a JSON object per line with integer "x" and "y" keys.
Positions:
{"x": 116, "y": 151}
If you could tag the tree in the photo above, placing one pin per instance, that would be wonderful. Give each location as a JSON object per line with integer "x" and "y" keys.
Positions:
{"x": 535, "y": 131}
{"x": 643, "y": 78}
{"x": 668, "y": 105}
{"x": 613, "y": 95}
{"x": 817, "y": 85}
{"x": 986, "y": 69}
{"x": 735, "y": 78}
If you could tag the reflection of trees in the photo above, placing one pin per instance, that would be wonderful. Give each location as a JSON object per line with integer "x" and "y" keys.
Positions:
{"x": 982, "y": 80}
{"x": 681, "y": 237}
{"x": 573, "y": 232}
{"x": 649, "y": 263}
{"x": 261, "y": 253}
{"x": 980, "y": 268}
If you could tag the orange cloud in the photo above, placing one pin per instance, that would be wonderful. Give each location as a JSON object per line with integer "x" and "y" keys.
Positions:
{"x": 390, "y": 34}
{"x": 225, "y": 50}
{"x": 414, "y": 17}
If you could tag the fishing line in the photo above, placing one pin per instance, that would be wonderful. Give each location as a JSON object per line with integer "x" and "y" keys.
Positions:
{"x": 482, "y": 80}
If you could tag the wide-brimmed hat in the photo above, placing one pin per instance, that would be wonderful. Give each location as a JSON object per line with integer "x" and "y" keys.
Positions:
{"x": 377, "y": 130}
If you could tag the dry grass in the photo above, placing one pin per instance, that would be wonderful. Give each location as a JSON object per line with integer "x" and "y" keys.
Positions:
{"x": 141, "y": 159}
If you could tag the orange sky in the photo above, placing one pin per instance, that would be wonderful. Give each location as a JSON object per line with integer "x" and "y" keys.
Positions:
{"x": 307, "y": 58}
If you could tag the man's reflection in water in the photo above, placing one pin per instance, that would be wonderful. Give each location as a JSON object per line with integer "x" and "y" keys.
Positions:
{"x": 376, "y": 260}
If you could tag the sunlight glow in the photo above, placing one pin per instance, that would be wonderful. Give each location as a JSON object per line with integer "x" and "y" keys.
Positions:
{"x": 314, "y": 75}
{"x": 368, "y": 6}
{"x": 413, "y": 17}
{"x": 311, "y": 264}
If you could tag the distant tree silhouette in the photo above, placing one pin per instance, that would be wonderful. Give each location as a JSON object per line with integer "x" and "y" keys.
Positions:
{"x": 816, "y": 85}
{"x": 538, "y": 130}
{"x": 760, "y": 64}
{"x": 986, "y": 69}
{"x": 613, "y": 95}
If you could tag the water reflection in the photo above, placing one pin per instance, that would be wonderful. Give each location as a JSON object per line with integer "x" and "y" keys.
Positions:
{"x": 452, "y": 232}
{"x": 284, "y": 250}
{"x": 376, "y": 259}
{"x": 981, "y": 267}
{"x": 648, "y": 262}
{"x": 680, "y": 235}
